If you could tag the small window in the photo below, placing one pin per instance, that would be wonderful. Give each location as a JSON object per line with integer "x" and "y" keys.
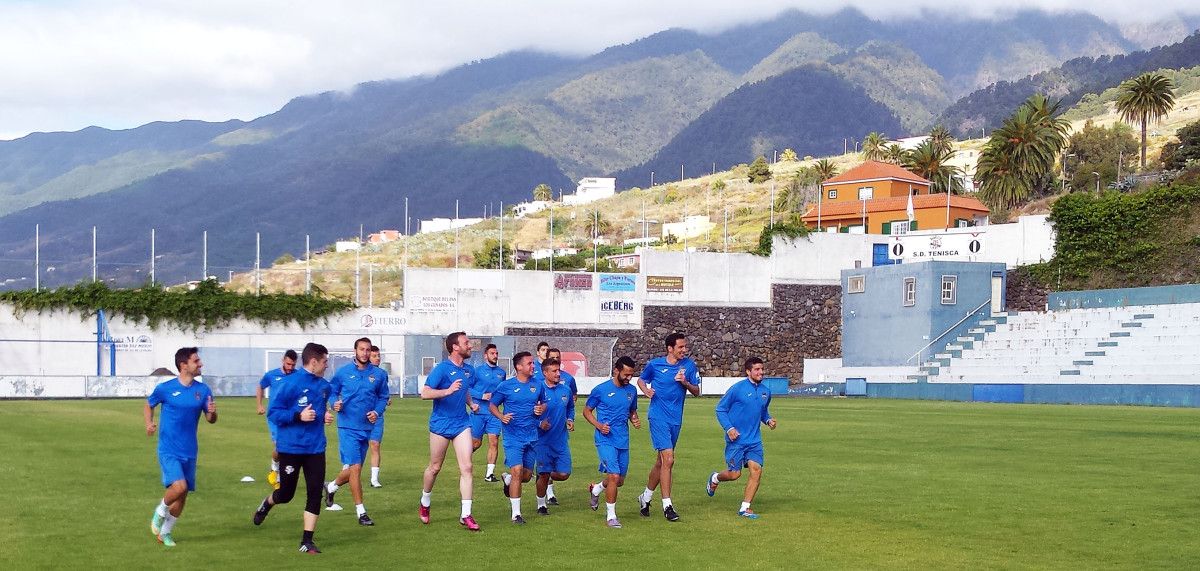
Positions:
{"x": 962, "y": 223}
{"x": 915, "y": 191}
{"x": 832, "y": 193}
{"x": 899, "y": 227}
{"x": 856, "y": 284}
{"x": 910, "y": 292}
{"x": 866, "y": 193}
{"x": 949, "y": 287}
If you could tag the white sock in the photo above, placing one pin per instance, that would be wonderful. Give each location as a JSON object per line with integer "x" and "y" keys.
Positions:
{"x": 162, "y": 510}
{"x": 426, "y": 497}
{"x": 714, "y": 480}
{"x": 359, "y": 509}
{"x": 745, "y": 506}
{"x": 507, "y": 478}
{"x": 666, "y": 503}
{"x": 541, "y": 501}
{"x": 550, "y": 490}
{"x": 597, "y": 488}
{"x": 516, "y": 506}
{"x": 274, "y": 465}
{"x": 168, "y": 524}
{"x": 331, "y": 487}
{"x": 647, "y": 495}
{"x": 491, "y": 469}
{"x": 612, "y": 510}
{"x": 375, "y": 474}
{"x": 466, "y": 508}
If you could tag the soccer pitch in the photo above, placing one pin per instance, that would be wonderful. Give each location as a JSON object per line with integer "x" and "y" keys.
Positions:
{"x": 847, "y": 484}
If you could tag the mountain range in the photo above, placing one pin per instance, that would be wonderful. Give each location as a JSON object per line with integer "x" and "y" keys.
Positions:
{"x": 326, "y": 165}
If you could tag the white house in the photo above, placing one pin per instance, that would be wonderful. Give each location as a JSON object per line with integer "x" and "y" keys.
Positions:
{"x": 543, "y": 253}
{"x": 526, "y": 208}
{"x": 443, "y": 224}
{"x": 691, "y": 226}
{"x": 590, "y": 190}
{"x": 345, "y": 245}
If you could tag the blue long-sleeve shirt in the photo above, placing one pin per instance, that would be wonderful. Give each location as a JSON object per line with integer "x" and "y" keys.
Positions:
{"x": 361, "y": 391}
{"x": 744, "y": 407}
{"x": 295, "y": 392}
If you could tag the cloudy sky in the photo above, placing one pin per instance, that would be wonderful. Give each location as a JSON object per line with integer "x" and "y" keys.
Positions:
{"x": 67, "y": 64}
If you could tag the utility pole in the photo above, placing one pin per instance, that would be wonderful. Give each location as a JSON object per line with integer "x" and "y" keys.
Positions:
{"x": 204, "y": 265}
{"x": 151, "y": 255}
{"x": 307, "y": 266}
{"x": 257, "y": 263}
{"x": 93, "y": 254}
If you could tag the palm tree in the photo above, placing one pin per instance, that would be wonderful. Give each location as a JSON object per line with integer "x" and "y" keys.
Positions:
{"x": 797, "y": 192}
{"x": 895, "y": 154}
{"x": 941, "y": 137}
{"x": 874, "y": 147}
{"x": 543, "y": 192}
{"x": 1145, "y": 98}
{"x": 825, "y": 169}
{"x": 930, "y": 160}
{"x": 597, "y": 225}
{"x": 1021, "y": 152}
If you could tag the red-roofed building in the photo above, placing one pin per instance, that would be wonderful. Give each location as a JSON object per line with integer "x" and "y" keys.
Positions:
{"x": 872, "y": 198}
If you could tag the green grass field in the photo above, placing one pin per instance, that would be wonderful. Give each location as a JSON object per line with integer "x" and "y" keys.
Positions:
{"x": 848, "y": 484}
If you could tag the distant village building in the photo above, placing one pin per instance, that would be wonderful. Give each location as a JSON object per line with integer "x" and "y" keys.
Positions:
{"x": 590, "y": 190}
{"x": 443, "y": 224}
{"x": 526, "y": 208}
{"x": 625, "y": 261}
{"x": 383, "y": 237}
{"x": 543, "y": 253}
{"x": 691, "y": 227}
{"x": 345, "y": 245}
{"x": 873, "y": 198}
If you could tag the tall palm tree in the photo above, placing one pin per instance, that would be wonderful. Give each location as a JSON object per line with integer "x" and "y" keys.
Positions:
{"x": 1021, "y": 152}
{"x": 930, "y": 160}
{"x": 895, "y": 154}
{"x": 874, "y": 147}
{"x": 597, "y": 225}
{"x": 825, "y": 169}
{"x": 543, "y": 192}
{"x": 1145, "y": 98}
{"x": 941, "y": 138}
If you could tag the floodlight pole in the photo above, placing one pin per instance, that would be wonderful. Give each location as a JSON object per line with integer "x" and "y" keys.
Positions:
{"x": 93, "y": 254}
{"x": 152, "y": 256}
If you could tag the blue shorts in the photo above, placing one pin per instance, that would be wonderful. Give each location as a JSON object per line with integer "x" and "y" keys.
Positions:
{"x": 377, "y": 430}
{"x": 175, "y": 469}
{"x": 352, "y": 445}
{"x": 519, "y": 453}
{"x": 737, "y": 455}
{"x": 449, "y": 429}
{"x": 613, "y": 460}
{"x": 274, "y": 430}
{"x": 663, "y": 435}
{"x": 553, "y": 459}
{"x": 484, "y": 423}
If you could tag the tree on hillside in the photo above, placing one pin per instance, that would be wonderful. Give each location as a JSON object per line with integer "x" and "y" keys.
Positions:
{"x": 1178, "y": 155}
{"x": 489, "y": 255}
{"x": 1019, "y": 157}
{"x": 1145, "y": 98}
{"x": 543, "y": 192}
{"x": 825, "y": 169}
{"x": 788, "y": 156}
{"x": 931, "y": 161}
{"x": 596, "y": 225}
{"x": 895, "y": 154}
{"x": 759, "y": 170}
{"x": 874, "y": 147}
{"x": 798, "y": 190}
{"x": 941, "y": 138}
{"x": 718, "y": 185}
{"x": 1098, "y": 150}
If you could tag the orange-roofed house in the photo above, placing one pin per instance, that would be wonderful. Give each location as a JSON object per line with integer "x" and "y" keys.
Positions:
{"x": 872, "y": 198}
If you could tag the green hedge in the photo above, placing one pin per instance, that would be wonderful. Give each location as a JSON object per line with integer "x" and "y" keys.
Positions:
{"x": 207, "y": 307}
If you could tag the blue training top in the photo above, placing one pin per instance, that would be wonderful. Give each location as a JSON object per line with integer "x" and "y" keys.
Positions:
{"x": 292, "y": 395}
{"x": 487, "y": 378}
{"x": 519, "y": 399}
{"x": 613, "y": 405}
{"x": 744, "y": 407}
{"x": 667, "y": 404}
{"x": 560, "y": 407}
{"x": 360, "y": 391}
{"x": 181, "y": 410}
{"x": 449, "y": 414}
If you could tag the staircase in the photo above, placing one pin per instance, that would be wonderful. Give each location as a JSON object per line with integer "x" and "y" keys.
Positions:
{"x": 1157, "y": 344}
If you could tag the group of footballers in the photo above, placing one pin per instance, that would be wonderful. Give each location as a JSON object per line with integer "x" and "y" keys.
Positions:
{"x": 530, "y": 414}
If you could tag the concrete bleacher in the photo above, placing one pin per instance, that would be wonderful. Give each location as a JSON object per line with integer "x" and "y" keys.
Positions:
{"x": 1148, "y": 344}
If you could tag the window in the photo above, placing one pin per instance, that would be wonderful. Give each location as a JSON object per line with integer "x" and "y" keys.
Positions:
{"x": 915, "y": 191}
{"x": 962, "y": 222}
{"x": 832, "y": 193}
{"x": 866, "y": 193}
{"x": 949, "y": 285}
{"x": 856, "y": 284}
{"x": 910, "y": 292}
{"x": 899, "y": 227}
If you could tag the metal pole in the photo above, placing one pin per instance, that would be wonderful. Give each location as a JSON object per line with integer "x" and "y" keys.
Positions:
{"x": 307, "y": 266}
{"x": 94, "y": 268}
{"x": 257, "y": 263}
{"x": 37, "y": 257}
{"x": 456, "y": 234}
{"x": 151, "y": 255}
{"x": 727, "y": 230}
{"x": 643, "y": 220}
{"x": 949, "y": 185}
{"x": 680, "y": 172}
{"x": 370, "y": 285}
{"x": 772, "y": 202}
{"x": 204, "y": 272}
{"x": 406, "y": 236}
{"x": 358, "y": 274}
{"x": 595, "y": 241}
{"x": 551, "y": 234}
{"x": 685, "y": 228}
{"x": 651, "y": 179}
{"x": 500, "y": 262}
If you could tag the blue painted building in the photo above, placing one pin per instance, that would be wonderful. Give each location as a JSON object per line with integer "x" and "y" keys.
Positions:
{"x": 895, "y": 315}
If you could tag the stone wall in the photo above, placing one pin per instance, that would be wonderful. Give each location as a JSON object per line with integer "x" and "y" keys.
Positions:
{"x": 803, "y": 321}
{"x": 1023, "y": 292}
